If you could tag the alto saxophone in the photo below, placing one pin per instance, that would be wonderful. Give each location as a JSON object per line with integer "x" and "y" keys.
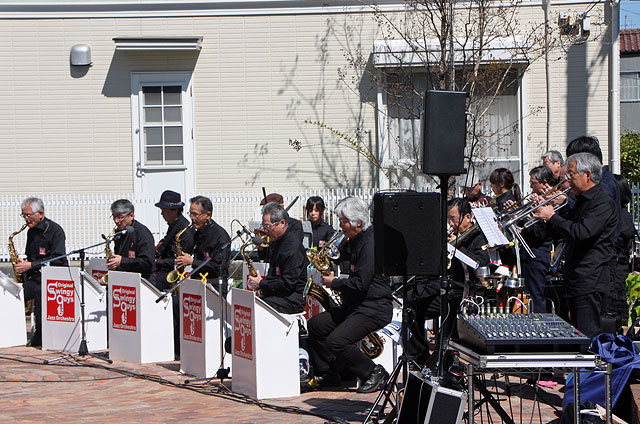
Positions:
{"x": 108, "y": 252}
{"x": 372, "y": 344}
{"x": 174, "y": 275}
{"x": 13, "y": 255}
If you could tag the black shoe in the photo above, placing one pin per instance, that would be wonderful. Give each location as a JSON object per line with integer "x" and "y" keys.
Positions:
{"x": 35, "y": 341}
{"x": 375, "y": 381}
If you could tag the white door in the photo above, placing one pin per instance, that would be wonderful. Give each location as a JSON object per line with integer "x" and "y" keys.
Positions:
{"x": 162, "y": 117}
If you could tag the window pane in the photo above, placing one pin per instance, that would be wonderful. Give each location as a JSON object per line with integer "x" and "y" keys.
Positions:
{"x": 153, "y": 136}
{"x": 173, "y": 135}
{"x": 153, "y": 156}
{"x": 173, "y": 114}
{"x": 172, "y": 95}
{"x": 151, "y": 95}
{"x": 153, "y": 114}
{"x": 174, "y": 155}
{"x": 628, "y": 86}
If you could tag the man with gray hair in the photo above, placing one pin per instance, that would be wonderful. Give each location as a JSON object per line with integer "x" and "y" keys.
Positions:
{"x": 134, "y": 251}
{"x": 366, "y": 307}
{"x": 589, "y": 233}
{"x": 553, "y": 159}
{"x": 45, "y": 240}
{"x": 285, "y": 281}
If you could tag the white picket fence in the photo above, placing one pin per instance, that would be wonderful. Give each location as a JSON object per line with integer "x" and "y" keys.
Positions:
{"x": 84, "y": 217}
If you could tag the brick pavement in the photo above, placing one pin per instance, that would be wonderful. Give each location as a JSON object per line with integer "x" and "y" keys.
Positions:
{"x": 100, "y": 393}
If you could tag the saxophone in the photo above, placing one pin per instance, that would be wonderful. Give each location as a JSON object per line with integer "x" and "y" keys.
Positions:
{"x": 108, "y": 252}
{"x": 13, "y": 255}
{"x": 371, "y": 344}
{"x": 247, "y": 258}
{"x": 175, "y": 275}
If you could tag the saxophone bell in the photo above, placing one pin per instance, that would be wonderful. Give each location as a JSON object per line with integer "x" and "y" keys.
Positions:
{"x": 176, "y": 274}
{"x": 13, "y": 254}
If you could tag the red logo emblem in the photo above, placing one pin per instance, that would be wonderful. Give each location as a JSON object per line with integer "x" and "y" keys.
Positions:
{"x": 61, "y": 301}
{"x": 43, "y": 251}
{"x": 132, "y": 253}
{"x": 192, "y": 317}
{"x": 124, "y": 308}
{"x": 242, "y": 332}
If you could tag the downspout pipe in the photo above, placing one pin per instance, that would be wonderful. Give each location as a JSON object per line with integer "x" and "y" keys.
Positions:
{"x": 547, "y": 70}
{"x": 614, "y": 79}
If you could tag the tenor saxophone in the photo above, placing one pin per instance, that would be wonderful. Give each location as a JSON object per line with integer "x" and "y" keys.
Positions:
{"x": 372, "y": 344}
{"x": 108, "y": 252}
{"x": 13, "y": 254}
{"x": 174, "y": 275}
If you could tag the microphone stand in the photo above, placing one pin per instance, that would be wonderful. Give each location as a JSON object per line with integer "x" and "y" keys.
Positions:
{"x": 82, "y": 349}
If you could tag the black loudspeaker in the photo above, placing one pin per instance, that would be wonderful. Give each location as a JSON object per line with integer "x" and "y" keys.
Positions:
{"x": 444, "y": 130}
{"x": 407, "y": 235}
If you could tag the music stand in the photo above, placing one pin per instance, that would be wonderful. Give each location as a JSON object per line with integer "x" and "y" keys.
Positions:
{"x": 82, "y": 349}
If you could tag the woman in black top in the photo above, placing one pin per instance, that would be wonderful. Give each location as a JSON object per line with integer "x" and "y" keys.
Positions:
{"x": 504, "y": 187}
{"x": 321, "y": 230}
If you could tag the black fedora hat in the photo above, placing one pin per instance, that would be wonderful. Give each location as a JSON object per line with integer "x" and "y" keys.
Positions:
{"x": 170, "y": 200}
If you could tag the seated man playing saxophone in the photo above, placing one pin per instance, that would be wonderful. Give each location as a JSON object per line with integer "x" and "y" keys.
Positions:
{"x": 287, "y": 276}
{"x": 366, "y": 307}
{"x": 45, "y": 240}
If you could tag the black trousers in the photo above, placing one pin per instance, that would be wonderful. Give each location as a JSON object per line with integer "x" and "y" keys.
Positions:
{"x": 585, "y": 312}
{"x": 333, "y": 336}
{"x": 534, "y": 272}
{"x": 33, "y": 291}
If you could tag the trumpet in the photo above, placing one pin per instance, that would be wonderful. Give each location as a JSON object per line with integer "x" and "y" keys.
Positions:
{"x": 531, "y": 207}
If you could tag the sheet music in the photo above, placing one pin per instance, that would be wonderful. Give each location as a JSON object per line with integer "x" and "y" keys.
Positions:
{"x": 486, "y": 219}
{"x": 462, "y": 257}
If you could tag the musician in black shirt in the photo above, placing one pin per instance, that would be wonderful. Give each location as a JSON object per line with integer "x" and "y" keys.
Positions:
{"x": 366, "y": 306}
{"x": 134, "y": 251}
{"x": 45, "y": 240}
{"x": 590, "y": 234}
{"x": 211, "y": 241}
{"x": 321, "y": 230}
{"x": 282, "y": 289}
{"x": 171, "y": 209}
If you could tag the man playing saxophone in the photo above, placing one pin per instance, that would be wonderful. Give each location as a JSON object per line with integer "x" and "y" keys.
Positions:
{"x": 366, "y": 307}
{"x": 133, "y": 252}
{"x": 45, "y": 239}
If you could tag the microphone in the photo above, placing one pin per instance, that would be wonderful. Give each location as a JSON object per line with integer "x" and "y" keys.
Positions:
{"x": 257, "y": 240}
{"x": 245, "y": 229}
{"x": 128, "y": 230}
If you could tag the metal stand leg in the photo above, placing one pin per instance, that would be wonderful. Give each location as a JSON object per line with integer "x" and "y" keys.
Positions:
{"x": 608, "y": 394}
{"x": 470, "y": 389}
{"x": 576, "y": 395}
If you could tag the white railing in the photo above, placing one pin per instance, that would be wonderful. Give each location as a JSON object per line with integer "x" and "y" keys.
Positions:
{"x": 84, "y": 217}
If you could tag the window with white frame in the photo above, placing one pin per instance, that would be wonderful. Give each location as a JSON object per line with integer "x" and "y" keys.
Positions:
{"x": 630, "y": 87}
{"x": 162, "y": 125}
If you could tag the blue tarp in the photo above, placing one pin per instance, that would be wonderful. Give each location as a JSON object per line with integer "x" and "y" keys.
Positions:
{"x": 616, "y": 350}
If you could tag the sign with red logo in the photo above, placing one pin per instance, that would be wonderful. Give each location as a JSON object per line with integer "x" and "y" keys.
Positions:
{"x": 124, "y": 308}
{"x": 61, "y": 301}
{"x": 311, "y": 308}
{"x": 242, "y": 332}
{"x": 192, "y": 317}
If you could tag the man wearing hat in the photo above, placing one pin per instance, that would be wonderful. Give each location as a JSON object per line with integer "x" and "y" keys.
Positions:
{"x": 171, "y": 209}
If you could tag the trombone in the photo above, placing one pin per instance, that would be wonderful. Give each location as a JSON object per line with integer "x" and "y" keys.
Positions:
{"x": 530, "y": 207}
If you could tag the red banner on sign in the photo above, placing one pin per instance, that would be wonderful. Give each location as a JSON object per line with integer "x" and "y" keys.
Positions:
{"x": 61, "y": 301}
{"x": 242, "y": 332}
{"x": 124, "y": 308}
{"x": 312, "y": 307}
{"x": 97, "y": 274}
{"x": 192, "y": 317}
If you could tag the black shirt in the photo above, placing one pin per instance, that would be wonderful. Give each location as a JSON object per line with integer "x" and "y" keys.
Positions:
{"x": 137, "y": 250}
{"x": 44, "y": 241}
{"x": 589, "y": 234}
{"x": 322, "y": 232}
{"x": 209, "y": 242}
{"x": 287, "y": 273}
{"x": 363, "y": 291}
{"x": 472, "y": 247}
{"x": 502, "y": 199}
{"x": 166, "y": 249}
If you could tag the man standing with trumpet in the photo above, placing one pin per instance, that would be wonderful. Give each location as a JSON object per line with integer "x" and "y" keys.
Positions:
{"x": 589, "y": 233}
{"x": 45, "y": 239}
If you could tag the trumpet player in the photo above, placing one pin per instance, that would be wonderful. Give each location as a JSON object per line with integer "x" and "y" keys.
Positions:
{"x": 171, "y": 208}
{"x": 589, "y": 232}
{"x": 284, "y": 284}
{"x": 366, "y": 307}
{"x": 45, "y": 239}
{"x": 133, "y": 252}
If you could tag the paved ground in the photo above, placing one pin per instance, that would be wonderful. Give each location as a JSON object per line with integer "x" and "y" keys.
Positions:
{"x": 91, "y": 390}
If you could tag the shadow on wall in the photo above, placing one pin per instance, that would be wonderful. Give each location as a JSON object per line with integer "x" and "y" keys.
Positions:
{"x": 118, "y": 80}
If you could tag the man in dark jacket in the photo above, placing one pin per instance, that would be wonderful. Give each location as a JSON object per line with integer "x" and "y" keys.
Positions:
{"x": 45, "y": 240}
{"x": 283, "y": 286}
{"x": 134, "y": 251}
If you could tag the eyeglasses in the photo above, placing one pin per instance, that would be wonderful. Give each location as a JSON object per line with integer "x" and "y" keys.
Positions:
{"x": 120, "y": 217}
{"x": 195, "y": 214}
{"x": 267, "y": 226}
{"x": 28, "y": 215}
